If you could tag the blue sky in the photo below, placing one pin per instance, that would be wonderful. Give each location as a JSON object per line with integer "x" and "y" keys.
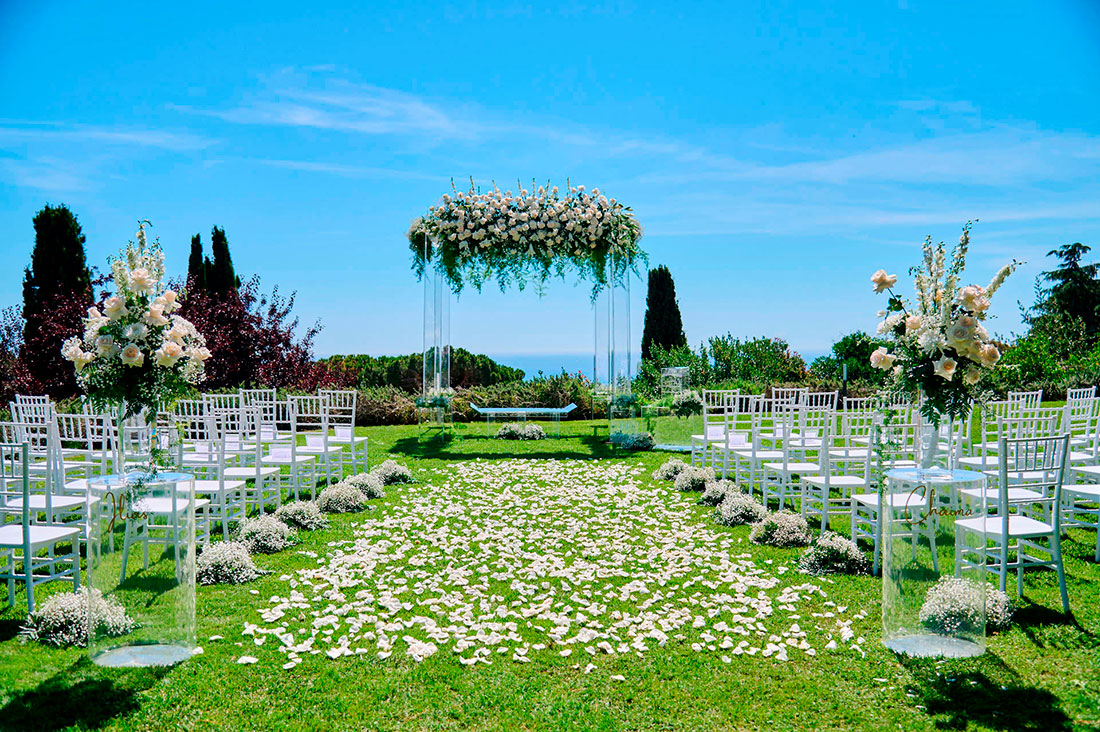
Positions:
{"x": 776, "y": 153}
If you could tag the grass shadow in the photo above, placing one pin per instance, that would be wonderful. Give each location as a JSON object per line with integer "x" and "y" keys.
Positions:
{"x": 83, "y": 696}
{"x": 584, "y": 447}
{"x": 984, "y": 692}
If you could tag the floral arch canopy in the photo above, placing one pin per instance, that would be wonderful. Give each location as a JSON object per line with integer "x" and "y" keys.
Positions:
{"x": 475, "y": 237}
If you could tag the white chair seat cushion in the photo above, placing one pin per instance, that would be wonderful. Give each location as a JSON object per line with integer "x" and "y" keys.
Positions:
{"x": 11, "y": 535}
{"x": 320, "y": 449}
{"x": 1087, "y": 470}
{"x": 760, "y": 454}
{"x": 1084, "y": 490}
{"x": 211, "y": 486}
{"x": 794, "y": 467}
{"x": 808, "y": 443}
{"x": 989, "y": 461}
{"x": 247, "y": 471}
{"x": 854, "y": 453}
{"x": 162, "y": 505}
{"x": 896, "y": 500}
{"x": 58, "y": 503}
{"x": 358, "y": 440}
{"x": 288, "y": 459}
{"x": 843, "y": 481}
{"x": 1015, "y": 495}
{"x": 1018, "y": 526}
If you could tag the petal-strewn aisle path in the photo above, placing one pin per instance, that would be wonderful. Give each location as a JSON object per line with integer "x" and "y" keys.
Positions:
{"x": 497, "y": 562}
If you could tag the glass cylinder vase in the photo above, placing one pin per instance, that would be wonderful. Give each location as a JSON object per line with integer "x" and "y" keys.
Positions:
{"x": 933, "y": 602}
{"x": 141, "y": 553}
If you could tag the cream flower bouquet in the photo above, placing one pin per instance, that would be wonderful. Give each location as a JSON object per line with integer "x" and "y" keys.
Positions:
{"x": 137, "y": 354}
{"x": 939, "y": 345}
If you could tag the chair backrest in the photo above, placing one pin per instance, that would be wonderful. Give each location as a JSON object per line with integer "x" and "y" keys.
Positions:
{"x": 859, "y": 404}
{"x": 308, "y": 414}
{"x": 1042, "y": 424}
{"x": 715, "y": 404}
{"x": 1081, "y": 411}
{"x": 1037, "y": 464}
{"x": 788, "y": 396}
{"x": 821, "y": 399}
{"x": 897, "y": 442}
{"x": 341, "y": 406}
{"x": 43, "y": 459}
{"x": 1082, "y": 394}
{"x": 191, "y": 418}
{"x": 15, "y": 487}
{"x": 1026, "y": 399}
{"x": 27, "y": 409}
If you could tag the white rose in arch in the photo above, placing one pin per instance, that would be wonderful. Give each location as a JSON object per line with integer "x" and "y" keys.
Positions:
{"x": 882, "y": 359}
{"x": 960, "y": 338}
{"x": 105, "y": 345}
{"x": 989, "y": 355}
{"x": 169, "y": 353}
{"x": 946, "y": 367}
{"x": 913, "y": 323}
{"x": 141, "y": 281}
{"x": 132, "y": 356}
{"x": 171, "y": 300}
{"x": 971, "y": 376}
{"x": 115, "y": 307}
{"x": 81, "y": 359}
{"x": 883, "y": 281}
{"x": 199, "y": 354}
{"x": 155, "y": 316}
{"x": 135, "y": 331}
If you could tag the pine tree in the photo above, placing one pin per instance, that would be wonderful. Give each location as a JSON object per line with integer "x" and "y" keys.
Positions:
{"x": 221, "y": 278}
{"x": 196, "y": 268}
{"x": 1072, "y": 291}
{"x": 663, "y": 325}
{"x": 56, "y": 292}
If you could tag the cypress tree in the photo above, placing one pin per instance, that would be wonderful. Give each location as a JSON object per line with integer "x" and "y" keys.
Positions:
{"x": 663, "y": 325}
{"x": 221, "y": 278}
{"x": 57, "y": 290}
{"x": 196, "y": 269}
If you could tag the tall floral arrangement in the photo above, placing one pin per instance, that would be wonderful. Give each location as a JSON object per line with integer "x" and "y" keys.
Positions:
{"x": 137, "y": 352}
{"x": 475, "y": 236}
{"x": 939, "y": 345}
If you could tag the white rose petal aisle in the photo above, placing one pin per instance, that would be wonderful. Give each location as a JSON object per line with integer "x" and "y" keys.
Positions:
{"x": 135, "y": 357}
{"x": 939, "y": 349}
{"x": 519, "y": 560}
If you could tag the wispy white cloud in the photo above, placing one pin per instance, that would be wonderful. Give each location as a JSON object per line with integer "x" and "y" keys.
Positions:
{"x": 345, "y": 171}
{"x": 23, "y": 131}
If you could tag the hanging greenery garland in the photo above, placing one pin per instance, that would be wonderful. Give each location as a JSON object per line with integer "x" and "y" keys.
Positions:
{"x": 510, "y": 237}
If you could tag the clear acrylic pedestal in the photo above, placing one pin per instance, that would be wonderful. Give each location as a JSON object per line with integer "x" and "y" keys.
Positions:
{"x": 141, "y": 552}
{"x": 932, "y": 605}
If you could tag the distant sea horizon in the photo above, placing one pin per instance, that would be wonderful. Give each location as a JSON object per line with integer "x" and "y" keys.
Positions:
{"x": 552, "y": 364}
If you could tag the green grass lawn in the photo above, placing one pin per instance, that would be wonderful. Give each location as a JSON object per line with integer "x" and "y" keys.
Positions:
{"x": 1042, "y": 674}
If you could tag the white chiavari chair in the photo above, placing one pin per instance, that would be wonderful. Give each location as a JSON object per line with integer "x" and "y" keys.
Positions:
{"x": 805, "y": 430}
{"x": 893, "y": 445}
{"x": 1009, "y": 539}
{"x": 310, "y": 414}
{"x": 340, "y": 404}
{"x": 30, "y": 548}
{"x": 714, "y": 425}
{"x": 300, "y": 467}
{"x": 1025, "y": 399}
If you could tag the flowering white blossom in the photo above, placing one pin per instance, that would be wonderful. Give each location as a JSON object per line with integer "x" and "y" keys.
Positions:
{"x": 136, "y": 351}
{"x": 940, "y": 333}
{"x": 883, "y": 281}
